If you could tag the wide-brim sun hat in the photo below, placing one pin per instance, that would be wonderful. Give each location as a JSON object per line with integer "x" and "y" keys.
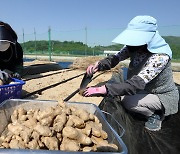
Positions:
{"x": 139, "y": 31}
{"x": 142, "y": 30}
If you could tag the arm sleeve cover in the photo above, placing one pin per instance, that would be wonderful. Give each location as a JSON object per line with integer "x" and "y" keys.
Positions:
{"x": 129, "y": 87}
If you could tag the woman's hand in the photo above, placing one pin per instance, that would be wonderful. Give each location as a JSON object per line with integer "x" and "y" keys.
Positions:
{"x": 95, "y": 91}
{"x": 4, "y": 77}
{"x": 92, "y": 68}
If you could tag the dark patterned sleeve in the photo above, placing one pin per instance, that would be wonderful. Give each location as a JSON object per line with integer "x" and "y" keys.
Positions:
{"x": 123, "y": 54}
{"x": 112, "y": 60}
{"x": 129, "y": 87}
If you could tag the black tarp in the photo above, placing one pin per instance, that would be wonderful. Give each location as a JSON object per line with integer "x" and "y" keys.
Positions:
{"x": 138, "y": 139}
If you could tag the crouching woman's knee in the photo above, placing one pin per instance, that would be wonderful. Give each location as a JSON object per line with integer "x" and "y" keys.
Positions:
{"x": 129, "y": 103}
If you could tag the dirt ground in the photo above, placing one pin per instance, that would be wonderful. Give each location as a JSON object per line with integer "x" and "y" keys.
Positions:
{"x": 47, "y": 81}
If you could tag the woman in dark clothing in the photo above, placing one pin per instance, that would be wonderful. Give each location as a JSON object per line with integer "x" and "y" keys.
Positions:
{"x": 11, "y": 53}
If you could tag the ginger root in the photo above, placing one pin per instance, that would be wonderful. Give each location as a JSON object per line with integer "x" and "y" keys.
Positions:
{"x": 59, "y": 122}
{"x": 62, "y": 127}
{"x": 69, "y": 145}
{"x": 50, "y": 142}
{"x": 76, "y": 134}
{"x": 43, "y": 130}
{"x": 1, "y": 83}
{"x": 33, "y": 145}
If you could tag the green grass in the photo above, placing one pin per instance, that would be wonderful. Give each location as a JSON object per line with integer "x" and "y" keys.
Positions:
{"x": 176, "y": 60}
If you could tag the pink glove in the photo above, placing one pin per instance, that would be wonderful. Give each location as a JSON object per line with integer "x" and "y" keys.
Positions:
{"x": 92, "y": 68}
{"x": 95, "y": 91}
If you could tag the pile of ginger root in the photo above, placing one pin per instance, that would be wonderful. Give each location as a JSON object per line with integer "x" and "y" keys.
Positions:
{"x": 63, "y": 127}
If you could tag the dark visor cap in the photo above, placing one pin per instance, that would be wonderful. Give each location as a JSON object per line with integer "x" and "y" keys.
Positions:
{"x": 5, "y": 35}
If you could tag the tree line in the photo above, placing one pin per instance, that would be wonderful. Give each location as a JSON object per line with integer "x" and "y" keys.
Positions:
{"x": 79, "y": 48}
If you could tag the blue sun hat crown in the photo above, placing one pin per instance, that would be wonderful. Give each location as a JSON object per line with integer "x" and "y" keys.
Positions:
{"x": 147, "y": 24}
{"x": 143, "y": 30}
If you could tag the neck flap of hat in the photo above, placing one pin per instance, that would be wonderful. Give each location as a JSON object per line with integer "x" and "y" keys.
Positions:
{"x": 159, "y": 45}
